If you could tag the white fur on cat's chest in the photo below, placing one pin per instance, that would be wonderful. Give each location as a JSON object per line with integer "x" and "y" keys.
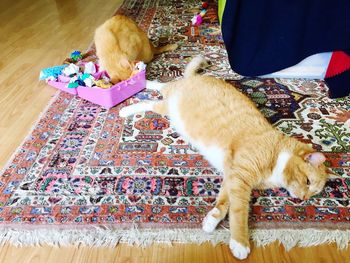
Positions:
{"x": 277, "y": 177}
{"x": 214, "y": 154}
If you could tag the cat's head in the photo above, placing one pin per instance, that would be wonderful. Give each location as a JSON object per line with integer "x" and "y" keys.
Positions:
{"x": 305, "y": 174}
{"x": 122, "y": 70}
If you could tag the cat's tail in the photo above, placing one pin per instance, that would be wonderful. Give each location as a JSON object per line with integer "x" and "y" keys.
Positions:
{"x": 169, "y": 47}
{"x": 196, "y": 64}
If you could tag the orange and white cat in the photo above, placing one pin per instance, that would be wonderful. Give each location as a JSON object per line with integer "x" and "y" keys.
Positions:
{"x": 231, "y": 133}
{"x": 119, "y": 42}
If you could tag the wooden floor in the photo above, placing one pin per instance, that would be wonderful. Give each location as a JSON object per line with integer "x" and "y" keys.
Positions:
{"x": 38, "y": 34}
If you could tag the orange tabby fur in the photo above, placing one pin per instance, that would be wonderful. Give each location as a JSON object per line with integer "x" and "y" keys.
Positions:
{"x": 213, "y": 115}
{"x": 119, "y": 42}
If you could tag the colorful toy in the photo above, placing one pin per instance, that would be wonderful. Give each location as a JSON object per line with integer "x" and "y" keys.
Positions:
{"x": 139, "y": 66}
{"x": 198, "y": 18}
{"x": 84, "y": 78}
{"x": 51, "y": 73}
{"x": 84, "y": 57}
{"x": 79, "y": 73}
{"x": 71, "y": 70}
{"x": 205, "y": 5}
{"x": 81, "y": 76}
{"x": 78, "y": 77}
{"x": 103, "y": 84}
{"x": 90, "y": 68}
{"x": 76, "y": 55}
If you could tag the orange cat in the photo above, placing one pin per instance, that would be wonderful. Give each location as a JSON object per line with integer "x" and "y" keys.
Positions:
{"x": 231, "y": 133}
{"x": 119, "y": 42}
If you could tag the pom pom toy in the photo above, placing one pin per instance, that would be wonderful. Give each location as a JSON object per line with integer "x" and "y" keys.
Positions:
{"x": 76, "y": 55}
{"x": 83, "y": 57}
{"x": 198, "y": 18}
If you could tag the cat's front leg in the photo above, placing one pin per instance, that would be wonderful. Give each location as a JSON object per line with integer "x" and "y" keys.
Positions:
{"x": 239, "y": 194}
{"x": 219, "y": 212}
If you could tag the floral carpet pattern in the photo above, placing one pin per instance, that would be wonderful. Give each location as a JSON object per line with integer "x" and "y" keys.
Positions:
{"x": 84, "y": 165}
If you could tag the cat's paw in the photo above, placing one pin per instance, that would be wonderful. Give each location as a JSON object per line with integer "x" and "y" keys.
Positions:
{"x": 238, "y": 250}
{"x": 154, "y": 85}
{"x": 125, "y": 112}
{"x": 173, "y": 46}
{"x": 210, "y": 222}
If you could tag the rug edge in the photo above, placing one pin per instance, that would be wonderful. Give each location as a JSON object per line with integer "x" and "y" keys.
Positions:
{"x": 30, "y": 131}
{"x": 111, "y": 237}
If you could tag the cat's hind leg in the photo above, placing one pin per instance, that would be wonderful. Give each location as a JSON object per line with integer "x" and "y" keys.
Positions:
{"x": 161, "y": 49}
{"x": 214, "y": 216}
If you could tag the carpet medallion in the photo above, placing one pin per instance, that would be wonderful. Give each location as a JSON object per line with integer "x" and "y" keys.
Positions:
{"x": 83, "y": 166}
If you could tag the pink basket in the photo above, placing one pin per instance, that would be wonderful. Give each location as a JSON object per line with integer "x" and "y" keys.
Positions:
{"x": 105, "y": 97}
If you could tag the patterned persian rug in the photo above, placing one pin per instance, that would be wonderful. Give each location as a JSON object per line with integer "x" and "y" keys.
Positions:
{"x": 85, "y": 175}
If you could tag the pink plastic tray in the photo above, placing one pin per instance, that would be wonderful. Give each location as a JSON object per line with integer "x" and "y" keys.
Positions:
{"x": 105, "y": 97}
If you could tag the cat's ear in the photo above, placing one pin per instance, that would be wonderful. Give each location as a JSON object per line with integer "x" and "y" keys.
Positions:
{"x": 315, "y": 158}
{"x": 125, "y": 63}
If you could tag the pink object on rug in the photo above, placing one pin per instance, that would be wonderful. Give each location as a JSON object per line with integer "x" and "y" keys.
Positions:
{"x": 105, "y": 97}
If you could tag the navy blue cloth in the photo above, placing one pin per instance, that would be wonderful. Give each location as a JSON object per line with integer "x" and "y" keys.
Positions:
{"x": 339, "y": 85}
{"x": 265, "y": 36}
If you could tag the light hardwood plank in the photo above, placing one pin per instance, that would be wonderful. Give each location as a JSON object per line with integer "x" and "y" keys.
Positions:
{"x": 205, "y": 253}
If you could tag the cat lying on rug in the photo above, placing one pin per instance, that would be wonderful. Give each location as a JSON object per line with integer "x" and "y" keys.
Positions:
{"x": 119, "y": 42}
{"x": 231, "y": 133}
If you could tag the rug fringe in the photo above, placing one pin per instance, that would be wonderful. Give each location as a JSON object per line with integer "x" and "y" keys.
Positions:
{"x": 109, "y": 237}
{"x": 290, "y": 238}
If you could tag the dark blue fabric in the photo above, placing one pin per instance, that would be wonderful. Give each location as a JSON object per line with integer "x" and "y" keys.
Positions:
{"x": 339, "y": 85}
{"x": 265, "y": 36}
